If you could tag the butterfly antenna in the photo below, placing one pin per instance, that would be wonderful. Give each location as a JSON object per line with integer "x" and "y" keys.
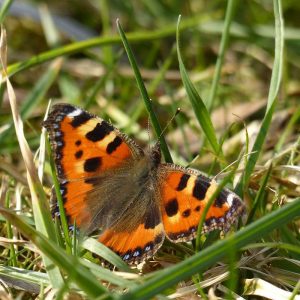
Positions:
{"x": 178, "y": 110}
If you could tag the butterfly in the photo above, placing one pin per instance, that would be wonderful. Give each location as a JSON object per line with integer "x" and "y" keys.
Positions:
{"x": 108, "y": 182}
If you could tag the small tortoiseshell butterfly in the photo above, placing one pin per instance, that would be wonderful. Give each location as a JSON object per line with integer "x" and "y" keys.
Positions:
{"x": 108, "y": 182}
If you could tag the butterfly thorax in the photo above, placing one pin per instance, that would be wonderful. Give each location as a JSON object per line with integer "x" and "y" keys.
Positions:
{"x": 146, "y": 166}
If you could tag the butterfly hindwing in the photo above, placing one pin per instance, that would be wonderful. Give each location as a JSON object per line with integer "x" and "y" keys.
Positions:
{"x": 184, "y": 195}
{"x": 139, "y": 242}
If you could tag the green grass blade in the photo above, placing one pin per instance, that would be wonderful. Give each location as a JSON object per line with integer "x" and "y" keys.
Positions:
{"x": 107, "y": 275}
{"x": 23, "y": 275}
{"x": 209, "y": 27}
{"x": 279, "y": 49}
{"x": 9, "y": 230}
{"x": 230, "y": 11}
{"x": 40, "y": 205}
{"x": 145, "y": 96}
{"x": 210, "y": 255}
{"x": 275, "y": 245}
{"x": 287, "y": 130}
{"x": 95, "y": 247}
{"x": 4, "y": 9}
{"x": 56, "y": 185}
{"x": 36, "y": 95}
{"x": 99, "y": 42}
{"x": 198, "y": 105}
{"x": 259, "y": 196}
{"x": 273, "y": 91}
{"x": 77, "y": 273}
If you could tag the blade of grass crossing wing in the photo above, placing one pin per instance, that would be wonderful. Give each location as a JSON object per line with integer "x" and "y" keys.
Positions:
{"x": 60, "y": 204}
{"x": 210, "y": 255}
{"x": 198, "y": 105}
{"x": 144, "y": 93}
{"x": 273, "y": 91}
{"x": 210, "y": 202}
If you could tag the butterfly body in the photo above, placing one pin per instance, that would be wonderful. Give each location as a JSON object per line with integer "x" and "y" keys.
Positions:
{"x": 108, "y": 182}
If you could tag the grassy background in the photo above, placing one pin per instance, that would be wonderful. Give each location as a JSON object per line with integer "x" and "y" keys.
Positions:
{"x": 233, "y": 70}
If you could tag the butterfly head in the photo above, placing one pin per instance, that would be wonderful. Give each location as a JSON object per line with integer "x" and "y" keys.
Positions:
{"x": 155, "y": 155}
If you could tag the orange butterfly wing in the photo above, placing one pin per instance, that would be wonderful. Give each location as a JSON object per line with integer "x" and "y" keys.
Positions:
{"x": 184, "y": 194}
{"x": 85, "y": 147}
{"x": 139, "y": 243}
{"x": 85, "y": 144}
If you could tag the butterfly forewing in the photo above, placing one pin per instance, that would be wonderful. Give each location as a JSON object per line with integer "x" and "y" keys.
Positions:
{"x": 87, "y": 150}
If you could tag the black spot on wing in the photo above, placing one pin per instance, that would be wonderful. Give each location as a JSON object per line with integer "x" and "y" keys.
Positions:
{"x": 112, "y": 146}
{"x": 82, "y": 118}
{"x": 186, "y": 213}
{"x": 100, "y": 131}
{"x": 92, "y": 164}
{"x": 78, "y": 154}
{"x": 183, "y": 182}
{"x": 221, "y": 199}
{"x": 78, "y": 143}
{"x": 172, "y": 207}
{"x": 152, "y": 219}
{"x": 197, "y": 208}
{"x": 200, "y": 188}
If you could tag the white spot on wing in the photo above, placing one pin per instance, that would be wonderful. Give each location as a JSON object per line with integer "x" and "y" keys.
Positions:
{"x": 75, "y": 113}
{"x": 230, "y": 199}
